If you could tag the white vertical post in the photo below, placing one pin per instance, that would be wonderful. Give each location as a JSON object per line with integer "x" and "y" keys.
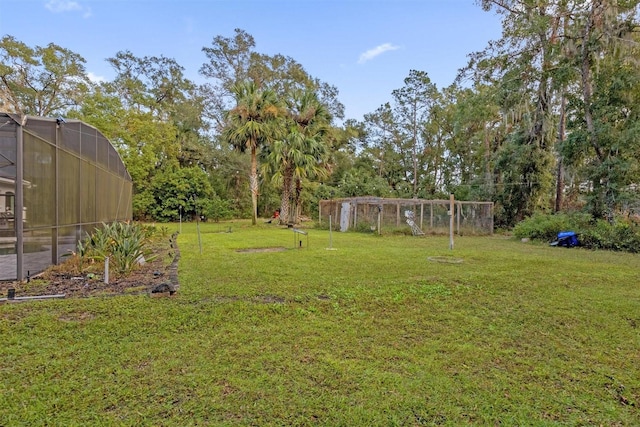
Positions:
{"x": 106, "y": 270}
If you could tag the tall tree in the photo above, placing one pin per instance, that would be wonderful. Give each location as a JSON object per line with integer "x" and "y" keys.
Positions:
{"x": 602, "y": 45}
{"x": 413, "y": 105}
{"x": 232, "y": 60}
{"x": 41, "y": 81}
{"x": 145, "y": 144}
{"x": 384, "y": 145}
{"x": 251, "y": 123}
{"x": 154, "y": 84}
{"x": 563, "y": 64}
{"x": 303, "y": 150}
{"x": 522, "y": 65}
{"x": 476, "y": 136}
{"x": 152, "y": 115}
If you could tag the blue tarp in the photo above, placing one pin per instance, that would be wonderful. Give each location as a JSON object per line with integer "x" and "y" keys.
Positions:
{"x": 568, "y": 239}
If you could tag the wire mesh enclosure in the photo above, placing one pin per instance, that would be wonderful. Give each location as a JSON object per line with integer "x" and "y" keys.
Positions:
{"x": 429, "y": 216}
{"x": 59, "y": 179}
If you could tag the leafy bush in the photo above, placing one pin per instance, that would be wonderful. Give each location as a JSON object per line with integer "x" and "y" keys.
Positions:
{"x": 623, "y": 235}
{"x": 546, "y": 227}
{"x": 124, "y": 243}
{"x": 175, "y": 192}
{"x": 128, "y": 246}
{"x": 216, "y": 209}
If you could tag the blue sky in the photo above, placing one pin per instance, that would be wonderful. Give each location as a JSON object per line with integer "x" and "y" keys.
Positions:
{"x": 363, "y": 47}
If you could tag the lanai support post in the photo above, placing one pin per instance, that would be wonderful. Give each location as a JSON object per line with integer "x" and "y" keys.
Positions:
{"x": 19, "y": 211}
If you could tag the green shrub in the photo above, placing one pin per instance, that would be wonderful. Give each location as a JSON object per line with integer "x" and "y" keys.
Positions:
{"x": 623, "y": 235}
{"x": 128, "y": 246}
{"x": 216, "y": 209}
{"x": 543, "y": 227}
{"x": 124, "y": 243}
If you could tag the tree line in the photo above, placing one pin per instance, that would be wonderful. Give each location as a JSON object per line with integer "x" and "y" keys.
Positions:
{"x": 543, "y": 119}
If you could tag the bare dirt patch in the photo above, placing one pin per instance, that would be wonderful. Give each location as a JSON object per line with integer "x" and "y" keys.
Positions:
{"x": 254, "y": 250}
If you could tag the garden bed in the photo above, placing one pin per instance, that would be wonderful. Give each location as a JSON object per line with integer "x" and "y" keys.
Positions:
{"x": 64, "y": 279}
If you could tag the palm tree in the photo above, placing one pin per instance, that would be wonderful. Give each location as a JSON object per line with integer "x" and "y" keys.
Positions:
{"x": 301, "y": 152}
{"x": 278, "y": 164}
{"x": 250, "y": 124}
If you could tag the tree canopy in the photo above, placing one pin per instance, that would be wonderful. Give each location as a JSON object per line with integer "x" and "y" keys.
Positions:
{"x": 543, "y": 119}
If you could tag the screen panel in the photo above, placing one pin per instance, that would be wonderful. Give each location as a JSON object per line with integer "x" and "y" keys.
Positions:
{"x": 39, "y": 182}
{"x": 68, "y": 199}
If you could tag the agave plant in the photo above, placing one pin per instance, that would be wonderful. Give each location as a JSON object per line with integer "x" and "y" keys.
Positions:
{"x": 129, "y": 247}
{"x": 124, "y": 243}
{"x": 99, "y": 242}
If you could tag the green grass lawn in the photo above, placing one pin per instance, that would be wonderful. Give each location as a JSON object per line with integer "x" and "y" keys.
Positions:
{"x": 370, "y": 333}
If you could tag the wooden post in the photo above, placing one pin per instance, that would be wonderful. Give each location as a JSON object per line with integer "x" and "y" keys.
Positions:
{"x": 355, "y": 215}
{"x": 431, "y": 215}
{"x": 491, "y": 216}
{"x": 458, "y": 215}
{"x": 451, "y": 206}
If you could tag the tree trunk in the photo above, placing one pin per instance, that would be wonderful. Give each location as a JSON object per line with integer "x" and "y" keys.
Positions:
{"x": 285, "y": 205}
{"x": 253, "y": 183}
{"x": 415, "y": 173}
{"x": 559, "y": 187}
{"x": 488, "y": 173}
{"x": 415, "y": 149}
{"x": 298, "y": 201}
{"x": 560, "y": 169}
{"x": 587, "y": 90}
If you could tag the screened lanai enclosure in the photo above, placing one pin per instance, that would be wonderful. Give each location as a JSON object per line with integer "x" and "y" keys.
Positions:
{"x": 59, "y": 179}
{"x": 419, "y": 216}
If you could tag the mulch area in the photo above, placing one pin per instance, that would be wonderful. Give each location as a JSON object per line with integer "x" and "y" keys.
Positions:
{"x": 159, "y": 273}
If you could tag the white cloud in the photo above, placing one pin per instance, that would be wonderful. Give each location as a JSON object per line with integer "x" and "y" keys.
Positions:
{"x": 96, "y": 78}
{"x": 60, "y": 6}
{"x": 378, "y": 50}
